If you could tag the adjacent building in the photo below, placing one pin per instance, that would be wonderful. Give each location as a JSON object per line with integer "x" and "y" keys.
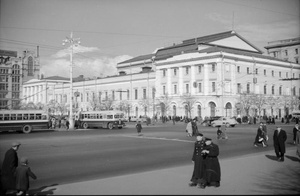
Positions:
{"x": 287, "y": 49}
{"x": 14, "y": 71}
{"x": 202, "y": 76}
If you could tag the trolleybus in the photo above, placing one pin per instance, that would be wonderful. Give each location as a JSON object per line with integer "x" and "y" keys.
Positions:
{"x": 104, "y": 119}
{"x": 23, "y": 120}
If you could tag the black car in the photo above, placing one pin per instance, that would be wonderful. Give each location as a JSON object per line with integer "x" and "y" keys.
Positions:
{"x": 207, "y": 122}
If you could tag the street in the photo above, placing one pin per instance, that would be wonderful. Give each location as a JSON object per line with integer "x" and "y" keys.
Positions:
{"x": 60, "y": 157}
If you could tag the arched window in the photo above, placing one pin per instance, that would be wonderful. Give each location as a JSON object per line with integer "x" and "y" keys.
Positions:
{"x": 199, "y": 110}
{"x": 30, "y": 66}
{"x": 174, "y": 110}
{"x": 212, "y": 106}
{"x": 228, "y": 109}
{"x": 136, "y": 111}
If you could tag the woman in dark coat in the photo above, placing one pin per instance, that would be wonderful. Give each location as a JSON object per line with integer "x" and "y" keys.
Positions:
{"x": 279, "y": 139}
{"x": 9, "y": 166}
{"x": 212, "y": 172}
{"x": 139, "y": 127}
{"x": 198, "y": 160}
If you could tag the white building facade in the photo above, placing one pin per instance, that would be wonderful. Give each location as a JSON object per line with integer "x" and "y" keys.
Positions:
{"x": 213, "y": 70}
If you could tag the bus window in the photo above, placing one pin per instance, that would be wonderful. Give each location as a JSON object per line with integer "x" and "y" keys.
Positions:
{"x": 101, "y": 117}
{"x": 1, "y": 116}
{"x": 117, "y": 116}
{"x": 31, "y": 117}
{"x": 19, "y": 117}
{"x": 109, "y": 116}
{"x": 6, "y": 117}
{"x": 44, "y": 117}
{"x": 38, "y": 116}
{"x": 25, "y": 117}
{"x": 13, "y": 117}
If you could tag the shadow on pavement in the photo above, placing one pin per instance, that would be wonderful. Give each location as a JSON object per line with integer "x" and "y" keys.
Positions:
{"x": 272, "y": 157}
{"x": 282, "y": 182}
{"x": 296, "y": 159}
{"x": 41, "y": 191}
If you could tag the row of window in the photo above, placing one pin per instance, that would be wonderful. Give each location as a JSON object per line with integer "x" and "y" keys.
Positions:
{"x": 227, "y": 69}
{"x": 101, "y": 116}
{"x": 36, "y": 116}
{"x": 285, "y": 52}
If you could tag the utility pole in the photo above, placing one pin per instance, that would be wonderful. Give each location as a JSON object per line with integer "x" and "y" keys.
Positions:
{"x": 73, "y": 42}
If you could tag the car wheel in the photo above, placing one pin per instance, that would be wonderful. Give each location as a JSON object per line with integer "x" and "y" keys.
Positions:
{"x": 232, "y": 125}
{"x": 227, "y": 124}
{"x": 214, "y": 125}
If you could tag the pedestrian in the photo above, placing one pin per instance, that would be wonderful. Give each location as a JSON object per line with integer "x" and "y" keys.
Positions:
{"x": 298, "y": 143}
{"x": 22, "y": 177}
{"x": 67, "y": 124}
{"x": 295, "y": 130}
{"x": 212, "y": 169}
{"x": 221, "y": 132}
{"x": 197, "y": 159}
{"x": 189, "y": 128}
{"x": 194, "y": 127}
{"x": 279, "y": 139}
{"x": 260, "y": 138}
{"x": 139, "y": 127}
{"x": 265, "y": 135}
{"x": 10, "y": 163}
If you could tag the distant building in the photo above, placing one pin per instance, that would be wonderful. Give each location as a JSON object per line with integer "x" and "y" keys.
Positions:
{"x": 213, "y": 71}
{"x": 14, "y": 71}
{"x": 287, "y": 49}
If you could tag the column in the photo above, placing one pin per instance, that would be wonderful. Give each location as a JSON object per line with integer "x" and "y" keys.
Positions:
{"x": 169, "y": 81}
{"x": 192, "y": 80}
{"x": 180, "y": 80}
{"x": 206, "y": 79}
{"x": 158, "y": 82}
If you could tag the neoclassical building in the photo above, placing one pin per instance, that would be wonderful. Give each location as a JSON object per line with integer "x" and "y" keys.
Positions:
{"x": 213, "y": 71}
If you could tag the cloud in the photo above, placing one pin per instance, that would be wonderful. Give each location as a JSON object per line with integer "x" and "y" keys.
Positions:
{"x": 87, "y": 61}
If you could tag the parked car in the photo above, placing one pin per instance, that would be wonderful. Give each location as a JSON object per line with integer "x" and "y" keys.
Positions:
{"x": 207, "y": 122}
{"x": 135, "y": 119}
{"x": 227, "y": 121}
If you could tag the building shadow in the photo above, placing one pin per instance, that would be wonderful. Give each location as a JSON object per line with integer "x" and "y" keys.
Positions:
{"x": 284, "y": 181}
{"x": 272, "y": 157}
{"x": 42, "y": 191}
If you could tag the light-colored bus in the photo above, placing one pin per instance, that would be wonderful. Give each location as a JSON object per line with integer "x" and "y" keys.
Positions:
{"x": 105, "y": 119}
{"x": 23, "y": 120}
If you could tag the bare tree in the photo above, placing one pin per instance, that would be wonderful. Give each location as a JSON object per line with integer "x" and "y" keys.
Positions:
{"x": 260, "y": 101}
{"x": 108, "y": 103}
{"x": 55, "y": 108}
{"x": 146, "y": 104}
{"x": 189, "y": 102}
{"x": 125, "y": 106}
{"x": 95, "y": 103}
{"x": 164, "y": 103}
{"x": 246, "y": 102}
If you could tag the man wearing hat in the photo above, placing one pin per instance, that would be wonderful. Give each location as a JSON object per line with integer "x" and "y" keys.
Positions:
{"x": 212, "y": 170}
{"x": 279, "y": 139}
{"x": 198, "y": 160}
{"x": 10, "y": 163}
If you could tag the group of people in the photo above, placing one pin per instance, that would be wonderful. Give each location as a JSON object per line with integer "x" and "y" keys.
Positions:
{"x": 207, "y": 171}
{"x": 15, "y": 177}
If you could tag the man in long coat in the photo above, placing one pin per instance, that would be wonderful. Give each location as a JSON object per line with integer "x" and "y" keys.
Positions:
{"x": 279, "y": 139}
{"x": 9, "y": 166}
{"x": 212, "y": 169}
{"x": 198, "y": 160}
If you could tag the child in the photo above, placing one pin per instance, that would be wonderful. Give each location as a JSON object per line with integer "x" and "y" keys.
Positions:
{"x": 139, "y": 127}
{"x": 22, "y": 177}
{"x": 222, "y": 132}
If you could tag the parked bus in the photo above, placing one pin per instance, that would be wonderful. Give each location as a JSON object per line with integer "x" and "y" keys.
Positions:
{"x": 105, "y": 119}
{"x": 23, "y": 120}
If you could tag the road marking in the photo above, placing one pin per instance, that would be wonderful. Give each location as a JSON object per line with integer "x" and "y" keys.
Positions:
{"x": 157, "y": 138}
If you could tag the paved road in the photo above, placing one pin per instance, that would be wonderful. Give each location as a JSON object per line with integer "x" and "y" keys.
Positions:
{"x": 60, "y": 157}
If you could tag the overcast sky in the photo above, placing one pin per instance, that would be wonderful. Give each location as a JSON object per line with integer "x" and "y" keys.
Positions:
{"x": 112, "y": 31}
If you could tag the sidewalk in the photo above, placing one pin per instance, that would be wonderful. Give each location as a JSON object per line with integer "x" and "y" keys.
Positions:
{"x": 256, "y": 174}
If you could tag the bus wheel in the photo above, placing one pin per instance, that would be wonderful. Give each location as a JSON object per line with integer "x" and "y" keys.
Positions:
{"x": 85, "y": 125}
{"x": 27, "y": 129}
{"x": 120, "y": 127}
{"x": 110, "y": 126}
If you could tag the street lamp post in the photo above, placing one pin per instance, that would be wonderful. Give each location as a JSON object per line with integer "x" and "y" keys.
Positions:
{"x": 73, "y": 42}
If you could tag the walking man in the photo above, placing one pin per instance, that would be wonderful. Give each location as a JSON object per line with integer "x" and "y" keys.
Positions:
{"x": 279, "y": 139}
{"x": 9, "y": 166}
